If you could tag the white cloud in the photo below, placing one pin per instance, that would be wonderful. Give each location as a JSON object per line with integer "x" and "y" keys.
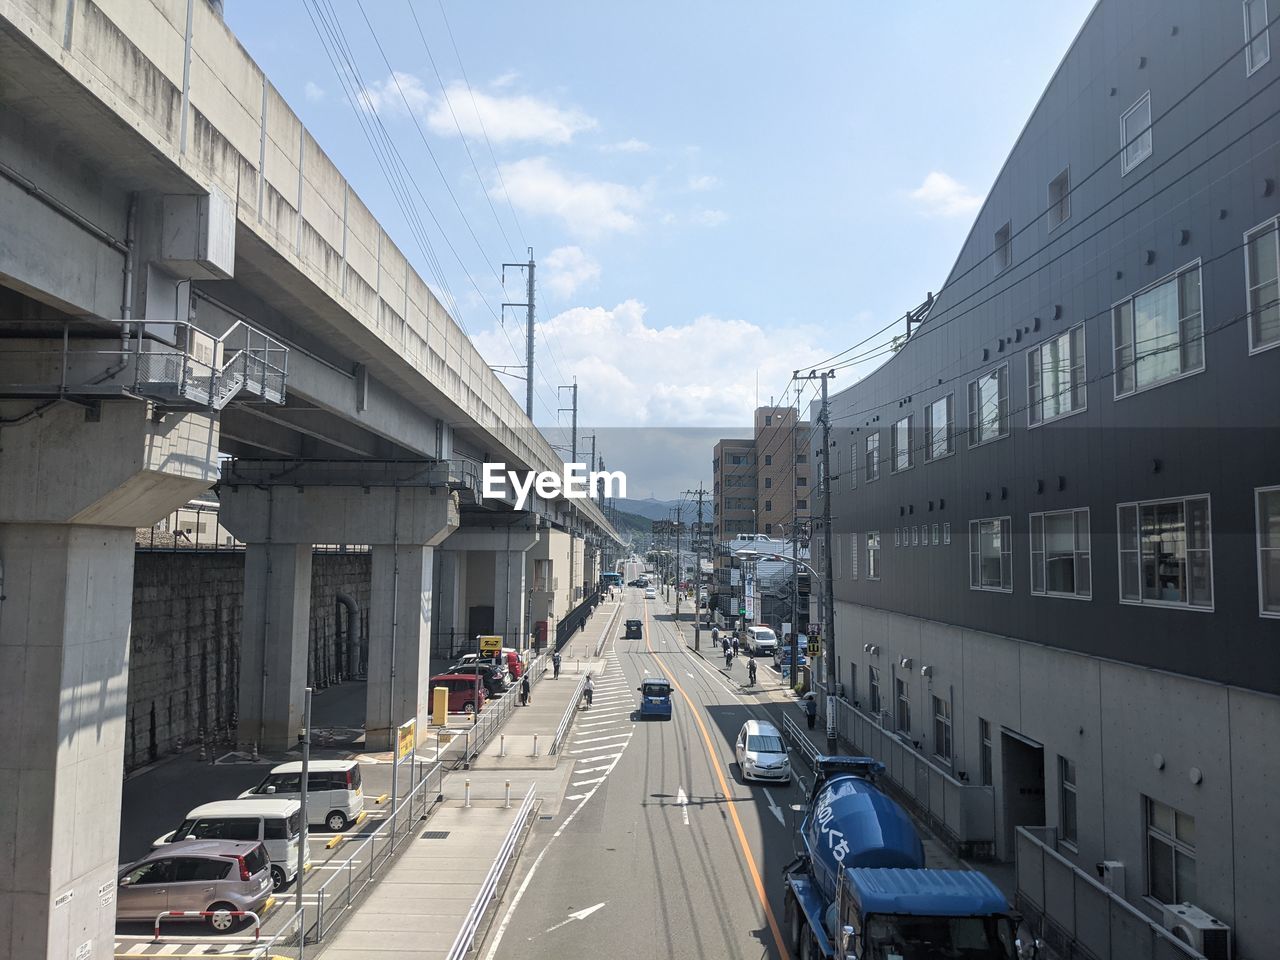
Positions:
{"x": 568, "y": 268}
{"x": 504, "y": 79}
{"x": 941, "y": 196}
{"x": 709, "y": 218}
{"x": 704, "y": 182}
{"x": 390, "y": 95}
{"x": 518, "y": 117}
{"x": 640, "y": 373}
{"x": 587, "y": 207}
{"x": 625, "y": 146}
{"x": 313, "y": 91}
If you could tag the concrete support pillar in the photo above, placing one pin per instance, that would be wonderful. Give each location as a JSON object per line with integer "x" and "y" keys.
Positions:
{"x": 494, "y": 557}
{"x": 446, "y": 618}
{"x": 397, "y": 689}
{"x": 509, "y": 608}
{"x": 72, "y": 492}
{"x": 273, "y": 644}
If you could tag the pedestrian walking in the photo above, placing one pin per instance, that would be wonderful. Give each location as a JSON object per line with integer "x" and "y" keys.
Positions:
{"x": 555, "y": 665}
{"x": 811, "y": 710}
{"x": 524, "y": 692}
{"x": 715, "y": 635}
{"x": 735, "y": 646}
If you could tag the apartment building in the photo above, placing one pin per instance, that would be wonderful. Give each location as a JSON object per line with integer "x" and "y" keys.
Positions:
{"x": 1057, "y": 506}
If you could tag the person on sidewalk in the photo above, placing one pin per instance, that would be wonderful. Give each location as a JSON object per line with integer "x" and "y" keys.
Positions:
{"x": 524, "y": 691}
{"x": 811, "y": 710}
{"x": 715, "y": 635}
{"x": 735, "y": 646}
{"x": 555, "y": 665}
{"x": 751, "y": 671}
{"x": 588, "y": 689}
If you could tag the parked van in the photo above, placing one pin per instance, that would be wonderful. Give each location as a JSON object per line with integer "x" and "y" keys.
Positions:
{"x": 334, "y": 795}
{"x": 277, "y": 824}
{"x": 466, "y": 691}
{"x": 760, "y": 641}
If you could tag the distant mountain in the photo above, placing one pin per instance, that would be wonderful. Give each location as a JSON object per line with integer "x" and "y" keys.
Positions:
{"x": 650, "y": 508}
{"x": 624, "y": 521}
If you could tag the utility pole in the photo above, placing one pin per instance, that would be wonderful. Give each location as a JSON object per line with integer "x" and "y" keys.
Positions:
{"x": 829, "y": 599}
{"x": 573, "y": 458}
{"x": 700, "y": 493}
{"x": 679, "y": 524}
{"x": 795, "y": 547}
{"x": 528, "y": 319}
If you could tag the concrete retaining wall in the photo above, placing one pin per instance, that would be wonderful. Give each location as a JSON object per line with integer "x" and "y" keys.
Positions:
{"x": 184, "y": 649}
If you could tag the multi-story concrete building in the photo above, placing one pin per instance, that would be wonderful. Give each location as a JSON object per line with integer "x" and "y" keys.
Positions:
{"x": 761, "y": 484}
{"x": 734, "y": 490}
{"x": 1057, "y": 506}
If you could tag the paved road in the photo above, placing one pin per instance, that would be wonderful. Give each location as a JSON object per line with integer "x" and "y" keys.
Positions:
{"x": 659, "y": 844}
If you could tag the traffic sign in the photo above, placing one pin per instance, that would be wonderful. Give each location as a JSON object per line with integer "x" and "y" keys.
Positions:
{"x": 815, "y": 647}
{"x": 406, "y": 739}
{"x": 490, "y": 645}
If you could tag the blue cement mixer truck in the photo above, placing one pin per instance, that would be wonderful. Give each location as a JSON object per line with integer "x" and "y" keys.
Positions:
{"x": 860, "y": 889}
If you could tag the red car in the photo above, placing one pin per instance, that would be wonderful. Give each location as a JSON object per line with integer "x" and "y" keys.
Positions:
{"x": 466, "y": 691}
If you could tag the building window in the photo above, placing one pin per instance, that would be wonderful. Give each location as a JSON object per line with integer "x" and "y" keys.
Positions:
{"x": 1262, "y": 267}
{"x": 903, "y": 716}
{"x": 984, "y": 737}
{"x": 768, "y": 482}
{"x": 1256, "y": 38}
{"x": 897, "y": 537}
{"x": 1165, "y": 553}
{"x": 768, "y": 505}
{"x": 853, "y": 556}
{"x": 768, "y": 528}
{"x": 1158, "y": 333}
{"x": 768, "y": 421}
{"x": 802, "y": 481}
{"x": 915, "y": 536}
{"x": 768, "y": 460}
{"x": 1056, "y": 377}
{"x": 946, "y": 533}
{"x": 873, "y": 457}
{"x": 935, "y": 534}
{"x": 737, "y": 459}
{"x": 1268, "y": 509}
{"x": 903, "y": 456}
{"x": 873, "y": 555}
{"x": 1135, "y": 134}
{"x": 990, "y": 555}
{"x": 1067, "y": 801}
{"x": 1171, "y": 853}
{"x": 1059, "y": 199}
{"x": 873, "y": 690}
{"x": 802, "y": 504}
{"x": 942, "y": 728}
{"x": 939, "y": 427}
{"x": 1004, "y": 248}
{"x": 802, "y": 458}
{"x": 989, "y": 406}
{"x": 1060, "y": 562}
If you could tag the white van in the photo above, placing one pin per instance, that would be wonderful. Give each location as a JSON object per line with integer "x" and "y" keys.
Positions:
{"x": 760, "y": 641}
{"x": 761, "y": 752}
{"x": 334, "y": 795}
{"x": 277, "y": 824}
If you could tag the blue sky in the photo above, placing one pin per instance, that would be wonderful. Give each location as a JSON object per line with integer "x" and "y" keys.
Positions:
{"x": 715, "y": 193}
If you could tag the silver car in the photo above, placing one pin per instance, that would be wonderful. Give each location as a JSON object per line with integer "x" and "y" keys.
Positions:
{"x": 218, "y": 877}
{"x": 761, "y": 752}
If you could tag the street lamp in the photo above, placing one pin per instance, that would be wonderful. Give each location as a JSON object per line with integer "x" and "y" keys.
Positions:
{"x": 749, "y": 555}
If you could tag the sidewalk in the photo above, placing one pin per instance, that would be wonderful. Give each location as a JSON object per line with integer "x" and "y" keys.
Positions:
{"x": 414, "y": 912}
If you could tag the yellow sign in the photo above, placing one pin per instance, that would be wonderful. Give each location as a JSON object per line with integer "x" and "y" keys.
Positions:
{"x": 490, "y": 646}
{"x": 406, "y": 739}
{"x": 815, "y": 647}
{"x": 440, "y": 706}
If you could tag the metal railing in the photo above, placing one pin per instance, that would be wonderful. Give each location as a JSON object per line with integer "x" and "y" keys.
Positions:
{"x": 496, "y": 713}
{"x": 288, "y": 943}
{"x": 489, "y": 889}
{"x": 962, "y": 813}
{"x": 1079, "y": 916}
{"x": 604, "y": 634}
{"x": 567, "y": 719}
{"x": 792, "y": 731}
{"x": 367, "y": 859}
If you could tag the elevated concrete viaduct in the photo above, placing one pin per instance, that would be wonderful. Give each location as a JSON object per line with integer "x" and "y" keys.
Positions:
{"x": 186, "y": 278}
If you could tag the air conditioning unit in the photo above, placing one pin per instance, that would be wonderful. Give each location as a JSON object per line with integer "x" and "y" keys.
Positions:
{"x": 1111, "y": 873}
{"x": 1198, "y": 930}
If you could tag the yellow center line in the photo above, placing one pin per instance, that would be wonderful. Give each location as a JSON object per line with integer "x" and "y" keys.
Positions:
{"x": 724, "y": 786}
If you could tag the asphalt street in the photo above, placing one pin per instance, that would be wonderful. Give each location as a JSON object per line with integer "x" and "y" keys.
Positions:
{"x": 659, "y": 846}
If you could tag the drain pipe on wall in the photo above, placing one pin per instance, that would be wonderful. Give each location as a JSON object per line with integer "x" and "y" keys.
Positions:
{"x": 352, "y": 657}
{"x": 395, "y": 622}
{"x": 266, "y": 624}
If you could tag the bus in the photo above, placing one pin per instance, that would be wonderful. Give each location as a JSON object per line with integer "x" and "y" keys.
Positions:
{"x": 611, "y": 580}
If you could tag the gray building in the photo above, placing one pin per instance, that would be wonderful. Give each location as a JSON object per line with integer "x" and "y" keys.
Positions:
{"x": 1057, "y": 533}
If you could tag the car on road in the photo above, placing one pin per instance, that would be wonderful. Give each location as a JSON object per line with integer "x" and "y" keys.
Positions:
{"x": 655, "y": 698}
{"x": 466, "y": 691}
{"x": 761, "y": 752}
{"x": 493, "y": 675}
{"x": 335, "y": 797}
{"x": 218, "y": 877}
{"x": 276, "y": 824}
{"x": 650, "y": 593}
{"x": 635, "y": 630}
{"x": 782, "y": 654}
{"x": 759, "y": 641}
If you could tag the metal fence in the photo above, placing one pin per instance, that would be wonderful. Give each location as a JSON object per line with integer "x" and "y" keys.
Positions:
{"x": 369, "y": 858}
{"x": 1081, "y": 918}
{"x": 489, "y": 889}
{"x": 962, "y": 813}
{"x": 569, "y": 711}
{"x": 576, "y": 619}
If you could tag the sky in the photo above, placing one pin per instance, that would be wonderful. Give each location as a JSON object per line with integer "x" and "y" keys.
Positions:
{"x": 716, "y": 194}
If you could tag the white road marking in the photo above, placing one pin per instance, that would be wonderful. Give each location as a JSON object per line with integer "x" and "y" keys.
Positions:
{"x": 774, "y": 808}
{"x": 716, "y": 677}
{"x": 587, "y": 783}
{"x": 169, "y": 949}
{"x": 597, "y": 755}
{"x": 607, "y": 766}
{"x": 577, "y": 915}
{"x": 607, "y": 736}
{"x": 682, "y": 801}
{"x": 576, "y": 796}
